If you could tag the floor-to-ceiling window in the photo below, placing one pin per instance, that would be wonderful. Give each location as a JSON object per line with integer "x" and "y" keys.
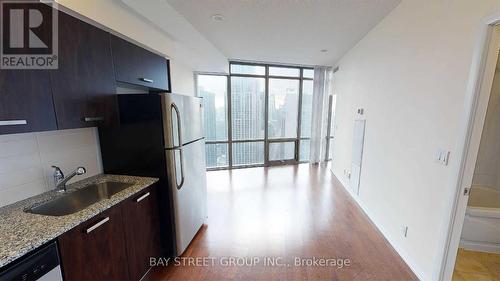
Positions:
{"x": 258, "y": 115}
{"x": 248, "y": 100}
{"x": 306, "y": 114}
{"x": 213, "y": 90}
{"x": 283, "y": 113}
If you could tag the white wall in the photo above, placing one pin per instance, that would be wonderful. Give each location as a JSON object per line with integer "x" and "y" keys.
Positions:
{"x": 410, "y": 74}
{"x": 190, "y": 46}
{"x": 26, "y": 160}
{"x": 182, "y": 78}
{"x": 487, "y": 171}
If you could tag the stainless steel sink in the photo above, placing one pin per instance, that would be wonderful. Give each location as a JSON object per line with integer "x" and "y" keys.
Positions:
{"x": 77, "y": 200}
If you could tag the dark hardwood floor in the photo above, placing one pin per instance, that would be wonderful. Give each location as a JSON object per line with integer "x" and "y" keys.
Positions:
{"x": 286, "y": 212}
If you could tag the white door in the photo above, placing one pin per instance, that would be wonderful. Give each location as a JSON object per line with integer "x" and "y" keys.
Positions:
{"x": 475, "y": 127}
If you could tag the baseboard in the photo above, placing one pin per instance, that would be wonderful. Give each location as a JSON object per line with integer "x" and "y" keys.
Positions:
{"x": 406, "y": 258}
{"x": 480, "y": 246}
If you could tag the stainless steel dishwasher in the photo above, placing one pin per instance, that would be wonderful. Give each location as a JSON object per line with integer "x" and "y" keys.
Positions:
{"x": 41, "y": 264}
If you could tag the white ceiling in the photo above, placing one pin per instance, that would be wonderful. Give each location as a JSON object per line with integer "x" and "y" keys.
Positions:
{"x": 187, "y": 44}
{"x": 287, "y": 31}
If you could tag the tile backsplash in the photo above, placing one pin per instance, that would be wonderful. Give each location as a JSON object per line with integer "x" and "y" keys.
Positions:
{"x": 26, "y": 160}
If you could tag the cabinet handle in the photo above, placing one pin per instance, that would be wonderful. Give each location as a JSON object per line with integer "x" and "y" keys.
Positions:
{"x": 92, "y": 119}
{"x": 142, "y": 197}
{"x": 13, "y": 122}
{"x": 92, "y": 228}
{"x": 146, "y": 80}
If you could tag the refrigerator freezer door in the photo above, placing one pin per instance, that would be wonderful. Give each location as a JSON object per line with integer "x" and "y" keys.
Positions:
{"x": 190, "y": 198}
{"x": 182, "y": 112}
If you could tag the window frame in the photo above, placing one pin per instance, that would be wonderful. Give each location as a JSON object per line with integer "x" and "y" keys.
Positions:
{"x": 197, "y": 88}
{"x": 299, "y": 104}
{"x": 266, "y": 140}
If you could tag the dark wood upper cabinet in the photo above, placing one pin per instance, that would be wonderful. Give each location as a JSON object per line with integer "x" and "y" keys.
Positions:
{"x": 25, "y": 95}
{"x": 142, "y": 231}
{"x": 83, "y": 87}
{"x": 82, "y": 91}
{"x": 95, "y": 250}
{"x": 25, "y": 101}
{"x": 137, "y": 66}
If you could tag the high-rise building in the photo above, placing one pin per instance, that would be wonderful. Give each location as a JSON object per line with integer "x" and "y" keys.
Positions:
{"x": 215, "y": 129}
{"x": 247, "y": 104}
{"x": 248, "y": 116}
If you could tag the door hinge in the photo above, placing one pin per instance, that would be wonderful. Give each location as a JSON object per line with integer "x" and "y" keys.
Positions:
{"x": 467, "y": 191}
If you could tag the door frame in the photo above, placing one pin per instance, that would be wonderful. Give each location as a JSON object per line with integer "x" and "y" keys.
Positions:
{"x": 329, "y": 132}
{"x": 476, "y": 102}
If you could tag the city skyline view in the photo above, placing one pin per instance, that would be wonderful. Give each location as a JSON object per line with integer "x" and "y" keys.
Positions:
{"x": 248, "y": 116}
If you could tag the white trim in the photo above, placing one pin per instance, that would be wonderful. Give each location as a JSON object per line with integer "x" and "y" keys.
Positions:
{"x": 475, "y": 110}
{"x": 406, "y": 258}
{"x": 480, "y": 246}
{"x": 483, "y": 212}
{"x": 278, "y": 64}
{"x": 195, "y": 81}
{"x": 211, "y": 73}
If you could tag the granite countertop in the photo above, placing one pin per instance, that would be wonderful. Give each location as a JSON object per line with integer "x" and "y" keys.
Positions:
{"x": 22, "y": 232}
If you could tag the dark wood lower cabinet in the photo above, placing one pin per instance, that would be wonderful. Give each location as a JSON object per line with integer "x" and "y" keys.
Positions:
{"x": 142, "y": 232}
{"x": 95, "y": 250}
{"x": 114, "y": 245}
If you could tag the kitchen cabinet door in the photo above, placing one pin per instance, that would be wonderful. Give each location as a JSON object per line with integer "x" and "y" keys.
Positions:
{"x": 142, "y": 231}
{"x": 96, "y": 249}
{"x": 138, "y": 66}
{"x": 25, "y": 101}
{"x": 84, "y": 86}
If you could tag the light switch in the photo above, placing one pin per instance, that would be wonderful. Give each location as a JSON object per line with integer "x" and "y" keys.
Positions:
{"x": 442, "y": 156}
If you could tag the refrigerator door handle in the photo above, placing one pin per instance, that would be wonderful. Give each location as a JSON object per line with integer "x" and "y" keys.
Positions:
{"x": 179, "y": 185}
{"x": 175, "y": 109}
{"x": 179, "y": 139}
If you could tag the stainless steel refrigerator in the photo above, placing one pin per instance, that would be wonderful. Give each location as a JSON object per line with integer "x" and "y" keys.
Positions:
{"x": 185, "y": 154}
{"x": 161, "y": 135}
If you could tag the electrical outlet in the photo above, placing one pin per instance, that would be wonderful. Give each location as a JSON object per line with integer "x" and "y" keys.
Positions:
{"x": 442, "y": 156}
{"x": 405, "y": 231}
{"x": 347, "y": 173}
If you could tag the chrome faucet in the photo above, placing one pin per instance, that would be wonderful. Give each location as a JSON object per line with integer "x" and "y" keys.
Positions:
{"x": 60, "y": 180}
